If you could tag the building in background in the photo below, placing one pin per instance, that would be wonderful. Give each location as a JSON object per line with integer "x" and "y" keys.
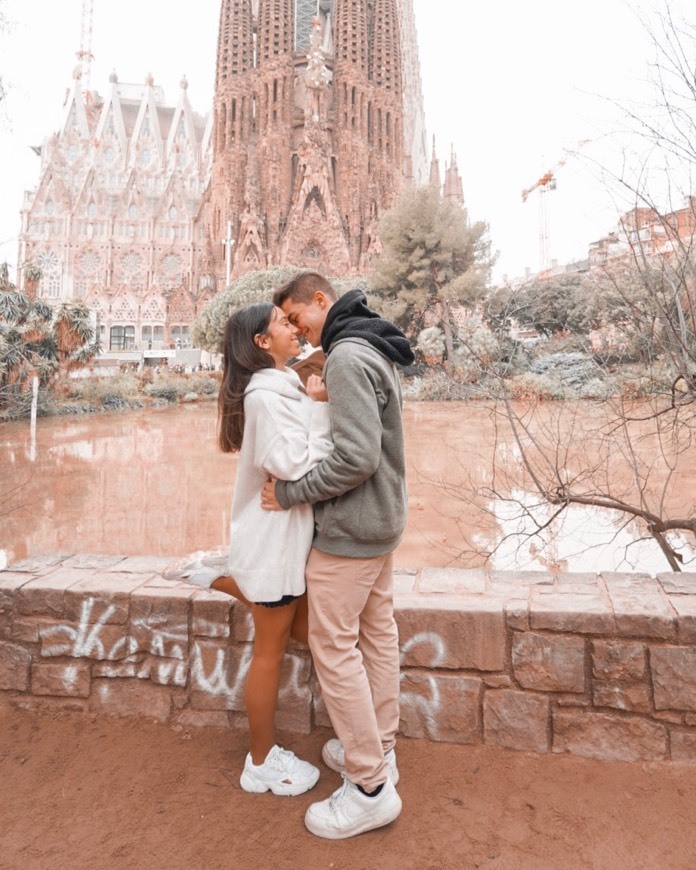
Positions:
{"x": 318, "y": 123}
{"x": 113, "y": 218}
{"x": 145, "y": 210}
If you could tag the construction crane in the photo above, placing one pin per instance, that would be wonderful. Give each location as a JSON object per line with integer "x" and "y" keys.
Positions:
{"x": 544, "y": 184}
{"x": 84, "y": 55}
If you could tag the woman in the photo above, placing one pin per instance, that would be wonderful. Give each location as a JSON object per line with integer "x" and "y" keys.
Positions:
{"x": 281, "y": 430}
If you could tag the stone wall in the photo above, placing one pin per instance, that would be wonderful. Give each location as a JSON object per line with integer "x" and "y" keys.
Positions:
{"x": 600, "y": 666}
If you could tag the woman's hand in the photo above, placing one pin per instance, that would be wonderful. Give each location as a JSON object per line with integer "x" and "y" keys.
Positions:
{"x": 316, "y": 389}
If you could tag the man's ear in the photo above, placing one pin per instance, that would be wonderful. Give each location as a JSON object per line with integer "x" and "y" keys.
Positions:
{"x": 320, "y": 298}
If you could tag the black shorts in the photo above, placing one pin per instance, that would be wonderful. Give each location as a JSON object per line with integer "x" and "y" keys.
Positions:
{"x": 281, "y": 602}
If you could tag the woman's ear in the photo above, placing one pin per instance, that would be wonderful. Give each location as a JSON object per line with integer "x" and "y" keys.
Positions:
{"x": 261, "y": 340}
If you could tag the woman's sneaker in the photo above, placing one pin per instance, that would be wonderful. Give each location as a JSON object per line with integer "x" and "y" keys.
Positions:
{"x": 334, "y": 756}
{"x": 349, "y": 811}
{"x": 201, "y": 568}
{"x": 282, "y": 773}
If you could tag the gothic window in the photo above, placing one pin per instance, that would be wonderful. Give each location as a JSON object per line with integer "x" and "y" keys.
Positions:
{"x": 145, "y": 158}
{"x": 49, "y": 208}
{"x": 132, "y": 211}
{"x": 92, "y": 209}
{"x": 122, "y": 338}
{"x": 49, "y": 264}
{"x": 110, "y": 155}
{"x": 173, "y": 213}
{"x": 146, "y": 334}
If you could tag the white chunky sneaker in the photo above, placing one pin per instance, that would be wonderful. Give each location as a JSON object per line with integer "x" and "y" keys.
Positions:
{"x": 282, "y": 773}
{"x": 201, "y": 568}
{"x": 334, "y": 756}
{"x": 349, "y": 812}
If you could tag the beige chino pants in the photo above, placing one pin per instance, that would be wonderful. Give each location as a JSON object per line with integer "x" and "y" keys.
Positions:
{"x": 355, "y": 645}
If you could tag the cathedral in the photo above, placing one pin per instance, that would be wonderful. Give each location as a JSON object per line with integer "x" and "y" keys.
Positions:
{"x": 145, "y": 210}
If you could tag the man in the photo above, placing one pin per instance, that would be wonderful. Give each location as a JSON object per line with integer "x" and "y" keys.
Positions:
{"x": 360, "y": 502}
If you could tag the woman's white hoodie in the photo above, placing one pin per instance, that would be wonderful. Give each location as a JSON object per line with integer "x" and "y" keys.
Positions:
{"x": 285, "y": 435}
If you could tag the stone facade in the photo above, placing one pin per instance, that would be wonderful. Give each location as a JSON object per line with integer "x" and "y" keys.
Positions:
{"x": 601, "y": 666}
{"x": 113, "y": 218}
{"x": 318, "y": 122}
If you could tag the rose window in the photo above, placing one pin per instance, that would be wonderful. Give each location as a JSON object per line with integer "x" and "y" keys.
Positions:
{"x": 48, "y": 262}
{"x": 132, "y": 263}
{"x": 90, "y": 262}
{"x": 171, "y": 264}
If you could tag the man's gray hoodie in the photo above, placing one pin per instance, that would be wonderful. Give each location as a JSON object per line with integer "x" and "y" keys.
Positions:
{"x": 359, "y": 490}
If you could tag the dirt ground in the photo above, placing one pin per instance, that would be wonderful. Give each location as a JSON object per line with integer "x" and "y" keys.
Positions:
{"x": 78, "y": 792}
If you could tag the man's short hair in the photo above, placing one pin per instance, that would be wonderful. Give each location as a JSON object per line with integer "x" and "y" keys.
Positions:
{"x": 302, "y": 288}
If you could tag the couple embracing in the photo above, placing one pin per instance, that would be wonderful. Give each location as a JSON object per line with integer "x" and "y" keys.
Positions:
{"x": 320, "y": 494}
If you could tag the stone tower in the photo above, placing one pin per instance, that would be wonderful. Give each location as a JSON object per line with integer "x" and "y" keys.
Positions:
{"x": 313, "y": 137}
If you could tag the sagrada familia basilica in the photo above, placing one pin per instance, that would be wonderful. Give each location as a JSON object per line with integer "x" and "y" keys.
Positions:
{"x": 145, "y": 210}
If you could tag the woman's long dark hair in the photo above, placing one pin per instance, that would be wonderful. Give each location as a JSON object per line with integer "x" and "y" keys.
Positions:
{"x": 241, "y": 358}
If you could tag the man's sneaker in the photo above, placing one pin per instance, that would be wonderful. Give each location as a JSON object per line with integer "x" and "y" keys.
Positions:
{"x": 282, "y": 773}
{"x": 349, "y": 812}
{"x": 334, "y": 756}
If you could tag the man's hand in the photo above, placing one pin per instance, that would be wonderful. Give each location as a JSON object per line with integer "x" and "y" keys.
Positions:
{"x": 269, "y": 502}
{"x": 316, "y": 389}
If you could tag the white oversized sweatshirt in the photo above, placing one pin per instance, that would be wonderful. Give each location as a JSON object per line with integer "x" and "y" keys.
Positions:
{"x": 285, "y": 435}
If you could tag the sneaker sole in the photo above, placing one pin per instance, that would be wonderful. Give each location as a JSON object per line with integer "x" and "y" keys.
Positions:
{"x": 332, "y": 764}
{"x": 370, "y": 824}
{"x": 283, "y": 789}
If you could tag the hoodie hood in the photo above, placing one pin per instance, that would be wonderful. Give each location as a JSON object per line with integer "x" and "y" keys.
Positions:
{"x": 285, "y": 382}
{"x": 350, "y": 317}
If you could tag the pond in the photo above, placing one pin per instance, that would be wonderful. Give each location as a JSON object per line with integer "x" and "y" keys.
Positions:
{"x": 153, "y": 482}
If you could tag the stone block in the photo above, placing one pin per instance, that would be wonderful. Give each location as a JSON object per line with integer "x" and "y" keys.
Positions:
{"x": 451, "y": 632}
{"x": 685, "y": 607}
{"x": 452, "y": 581}
{"x": 294, "y": 711}
{"x": 115, "y": 670}
{"x": 90, "y": 641}
{"x": 145, "y": 565}
{"x": 690, "y": 718}
{"x": 26, "y": 630}
{"x": 160, "y": 621}
{"x": 404, "y": 581}
{"x": 51, "y": 704}
{"x": 138, "y": 698}
{"x": 618, "y": 660}
{"x": 678, "y": 583}
{"x": 218, "y": 674}
{"x": 10, "y": 584}
{"x": 517, "y": 614}
{"x": 516, "y": 720}
{"x": 210, "y": 614}
{"x": 640, "y": 607}
{"x": 549, "y": 663}
{"x": 571, "y": 611}
{"x": 670, "y": 716}
{"x": 577, "y": 581}
{"x": 683, "y": 746}
{"x": 632, "y": 697}
{"x": 39, "y": 564}
{"x": 15, "y": 662}
{"x": 608, "y": 736}
{"x": 164, "y": 672}
{"x": 673, "y": 672}
{"x": 92, "y": 561}
{"x": 516, "y": 580}
{"x": 242, "y": 623}
{"x": 45, "y": 594}
{"x": 497, "y": 681}
{"x": 441, "y": 707}
{"x": 100, "y": 598}
{"x": 71, "y": 679}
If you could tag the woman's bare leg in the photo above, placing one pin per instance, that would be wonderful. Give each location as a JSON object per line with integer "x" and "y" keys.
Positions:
{"x": 228, "y": 585}
{"x": 299, "y": 628}
{"x": 271, "y": 634}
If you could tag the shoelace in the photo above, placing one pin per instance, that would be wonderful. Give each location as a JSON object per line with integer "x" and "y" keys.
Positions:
{"x": 283, "y": 760}
{"x": 338, "y": 796}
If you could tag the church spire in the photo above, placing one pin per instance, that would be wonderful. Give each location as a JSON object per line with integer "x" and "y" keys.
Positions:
{"x": 435, "y": 169}
{"x": 454, "y": 189}
{"x": 351, "y": 34}
{"x": 275, "y": 30}
{"x": 385, "y": 46}
{"x": 235, "y": 40}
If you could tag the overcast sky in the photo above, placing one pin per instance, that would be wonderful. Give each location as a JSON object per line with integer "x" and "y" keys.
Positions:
{"x": 512, "y": 86}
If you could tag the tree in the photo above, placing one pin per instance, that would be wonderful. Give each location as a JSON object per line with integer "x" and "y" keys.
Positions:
{"x": 208, "y": 329}
{"x": 36, "y": 341}
{"x": 639, "y": 440}
{"x": 551, "y": 306}
{"x": 433, "y": 258}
